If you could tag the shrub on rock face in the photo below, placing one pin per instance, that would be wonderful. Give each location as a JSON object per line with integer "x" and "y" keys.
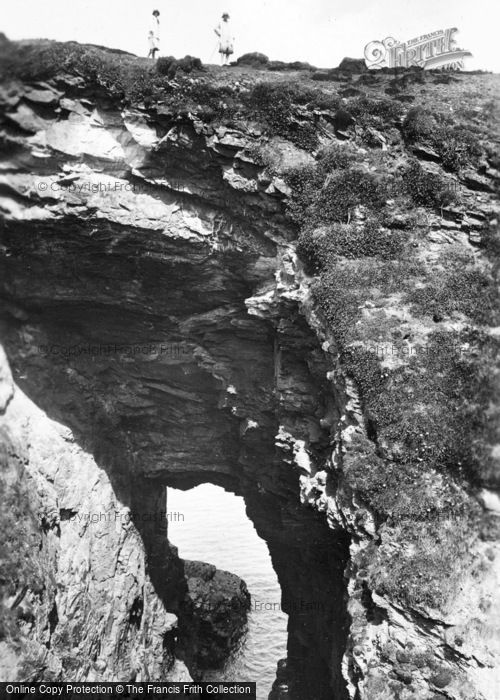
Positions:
{"x": 168, "y": 65}
{"x": 379, "y": 112}
{"x": 463, "y": 288}
{"x": 276, "y": 104}
{"x": 325, "y": 195}
{"x": 419, "y": 125}
{"x": 443, "y": 678}
{"x": 320, "y": 248}
{"x": 456, "y": 146}
{"x": 343, "y": 120}
{"x": 336, "y": 157}
{"x": 305, "y": 183}
{"x": 347, "y": 190}
{"x": 426, "y": 188}
{"x": 294, "y": 65}
{"x": 165, "y": 65}
{"x": 190, "y": 63}
{"x": 254, "y": 59}
{"x": 353, "y": 65}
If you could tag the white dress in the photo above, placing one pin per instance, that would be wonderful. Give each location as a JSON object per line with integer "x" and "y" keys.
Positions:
{"x": 154, "y": 34}
{"x": 226, "y": 38}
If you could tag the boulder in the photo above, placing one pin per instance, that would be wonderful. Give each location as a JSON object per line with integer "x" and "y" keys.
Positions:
{"x": 214, "y": 614}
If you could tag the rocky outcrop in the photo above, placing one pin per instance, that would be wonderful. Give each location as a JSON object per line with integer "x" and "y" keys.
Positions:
{"x": 214, "y": 615}
{"x": 77, "y": 598}
{"x": 162, "y": 332}
{"x": 280, "y": 686}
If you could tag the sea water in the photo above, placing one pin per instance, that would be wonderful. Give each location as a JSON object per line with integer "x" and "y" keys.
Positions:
{"x": 214, "y": 528}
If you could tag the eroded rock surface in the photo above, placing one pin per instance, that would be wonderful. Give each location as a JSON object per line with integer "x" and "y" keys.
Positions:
{"x": 76, "y": 593}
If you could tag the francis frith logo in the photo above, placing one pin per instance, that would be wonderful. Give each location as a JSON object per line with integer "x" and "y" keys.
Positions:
{"x": 429, "y": 51}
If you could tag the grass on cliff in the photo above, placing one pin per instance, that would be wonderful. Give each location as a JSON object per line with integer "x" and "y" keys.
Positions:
{"x": 377, "y": 112}
{"x": 284, "y": 108}
{"x": 118, "y": 74}
{"x": 328, "y": 191}
{"x": 440, "y": 393}
{"x": 430, "y": 418}
{"x": 432, "y": 424}
{"x": 280, "y": 107}
{"x": 426, "y": 188}
{"x": 431, "y": 411}
{"x": 421, "y": 563}
{"x": 461, "y": 289}
{"x": 454, "y": 142}
{"x": 317, "y": 246}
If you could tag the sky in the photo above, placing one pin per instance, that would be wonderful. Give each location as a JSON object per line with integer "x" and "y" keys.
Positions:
{"x": 320, "y": 32}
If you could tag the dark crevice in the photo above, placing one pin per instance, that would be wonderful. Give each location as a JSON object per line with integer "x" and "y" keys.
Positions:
{"x": 374, "y": 613}
{"x": 53, "y": 622}
{"x": 135, "y": 614}
{"x": 371, "y": 430}
{"x": 67, "y": 514}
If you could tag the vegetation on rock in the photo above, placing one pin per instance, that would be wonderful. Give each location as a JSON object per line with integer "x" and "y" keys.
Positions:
{"x": 427, "y": 391}
{"x": 454, "y": 143}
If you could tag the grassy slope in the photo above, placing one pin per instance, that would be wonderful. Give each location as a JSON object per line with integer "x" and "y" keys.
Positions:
{"x": 411, "y": 314}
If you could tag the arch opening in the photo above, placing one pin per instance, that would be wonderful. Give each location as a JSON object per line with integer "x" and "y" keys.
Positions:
{"x": 209, "y": 524}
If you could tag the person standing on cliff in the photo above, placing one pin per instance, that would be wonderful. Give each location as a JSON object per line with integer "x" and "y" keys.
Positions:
{"x": 226, "y": 39}
{"x": 154, "y": 35}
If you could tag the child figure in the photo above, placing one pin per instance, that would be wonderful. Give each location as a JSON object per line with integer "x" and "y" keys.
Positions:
{"x": 226, "y": 39}
{"x": 154, "y": 35}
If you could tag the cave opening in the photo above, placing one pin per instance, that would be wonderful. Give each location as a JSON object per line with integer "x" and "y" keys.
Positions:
{"x": 209, "y": 524}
